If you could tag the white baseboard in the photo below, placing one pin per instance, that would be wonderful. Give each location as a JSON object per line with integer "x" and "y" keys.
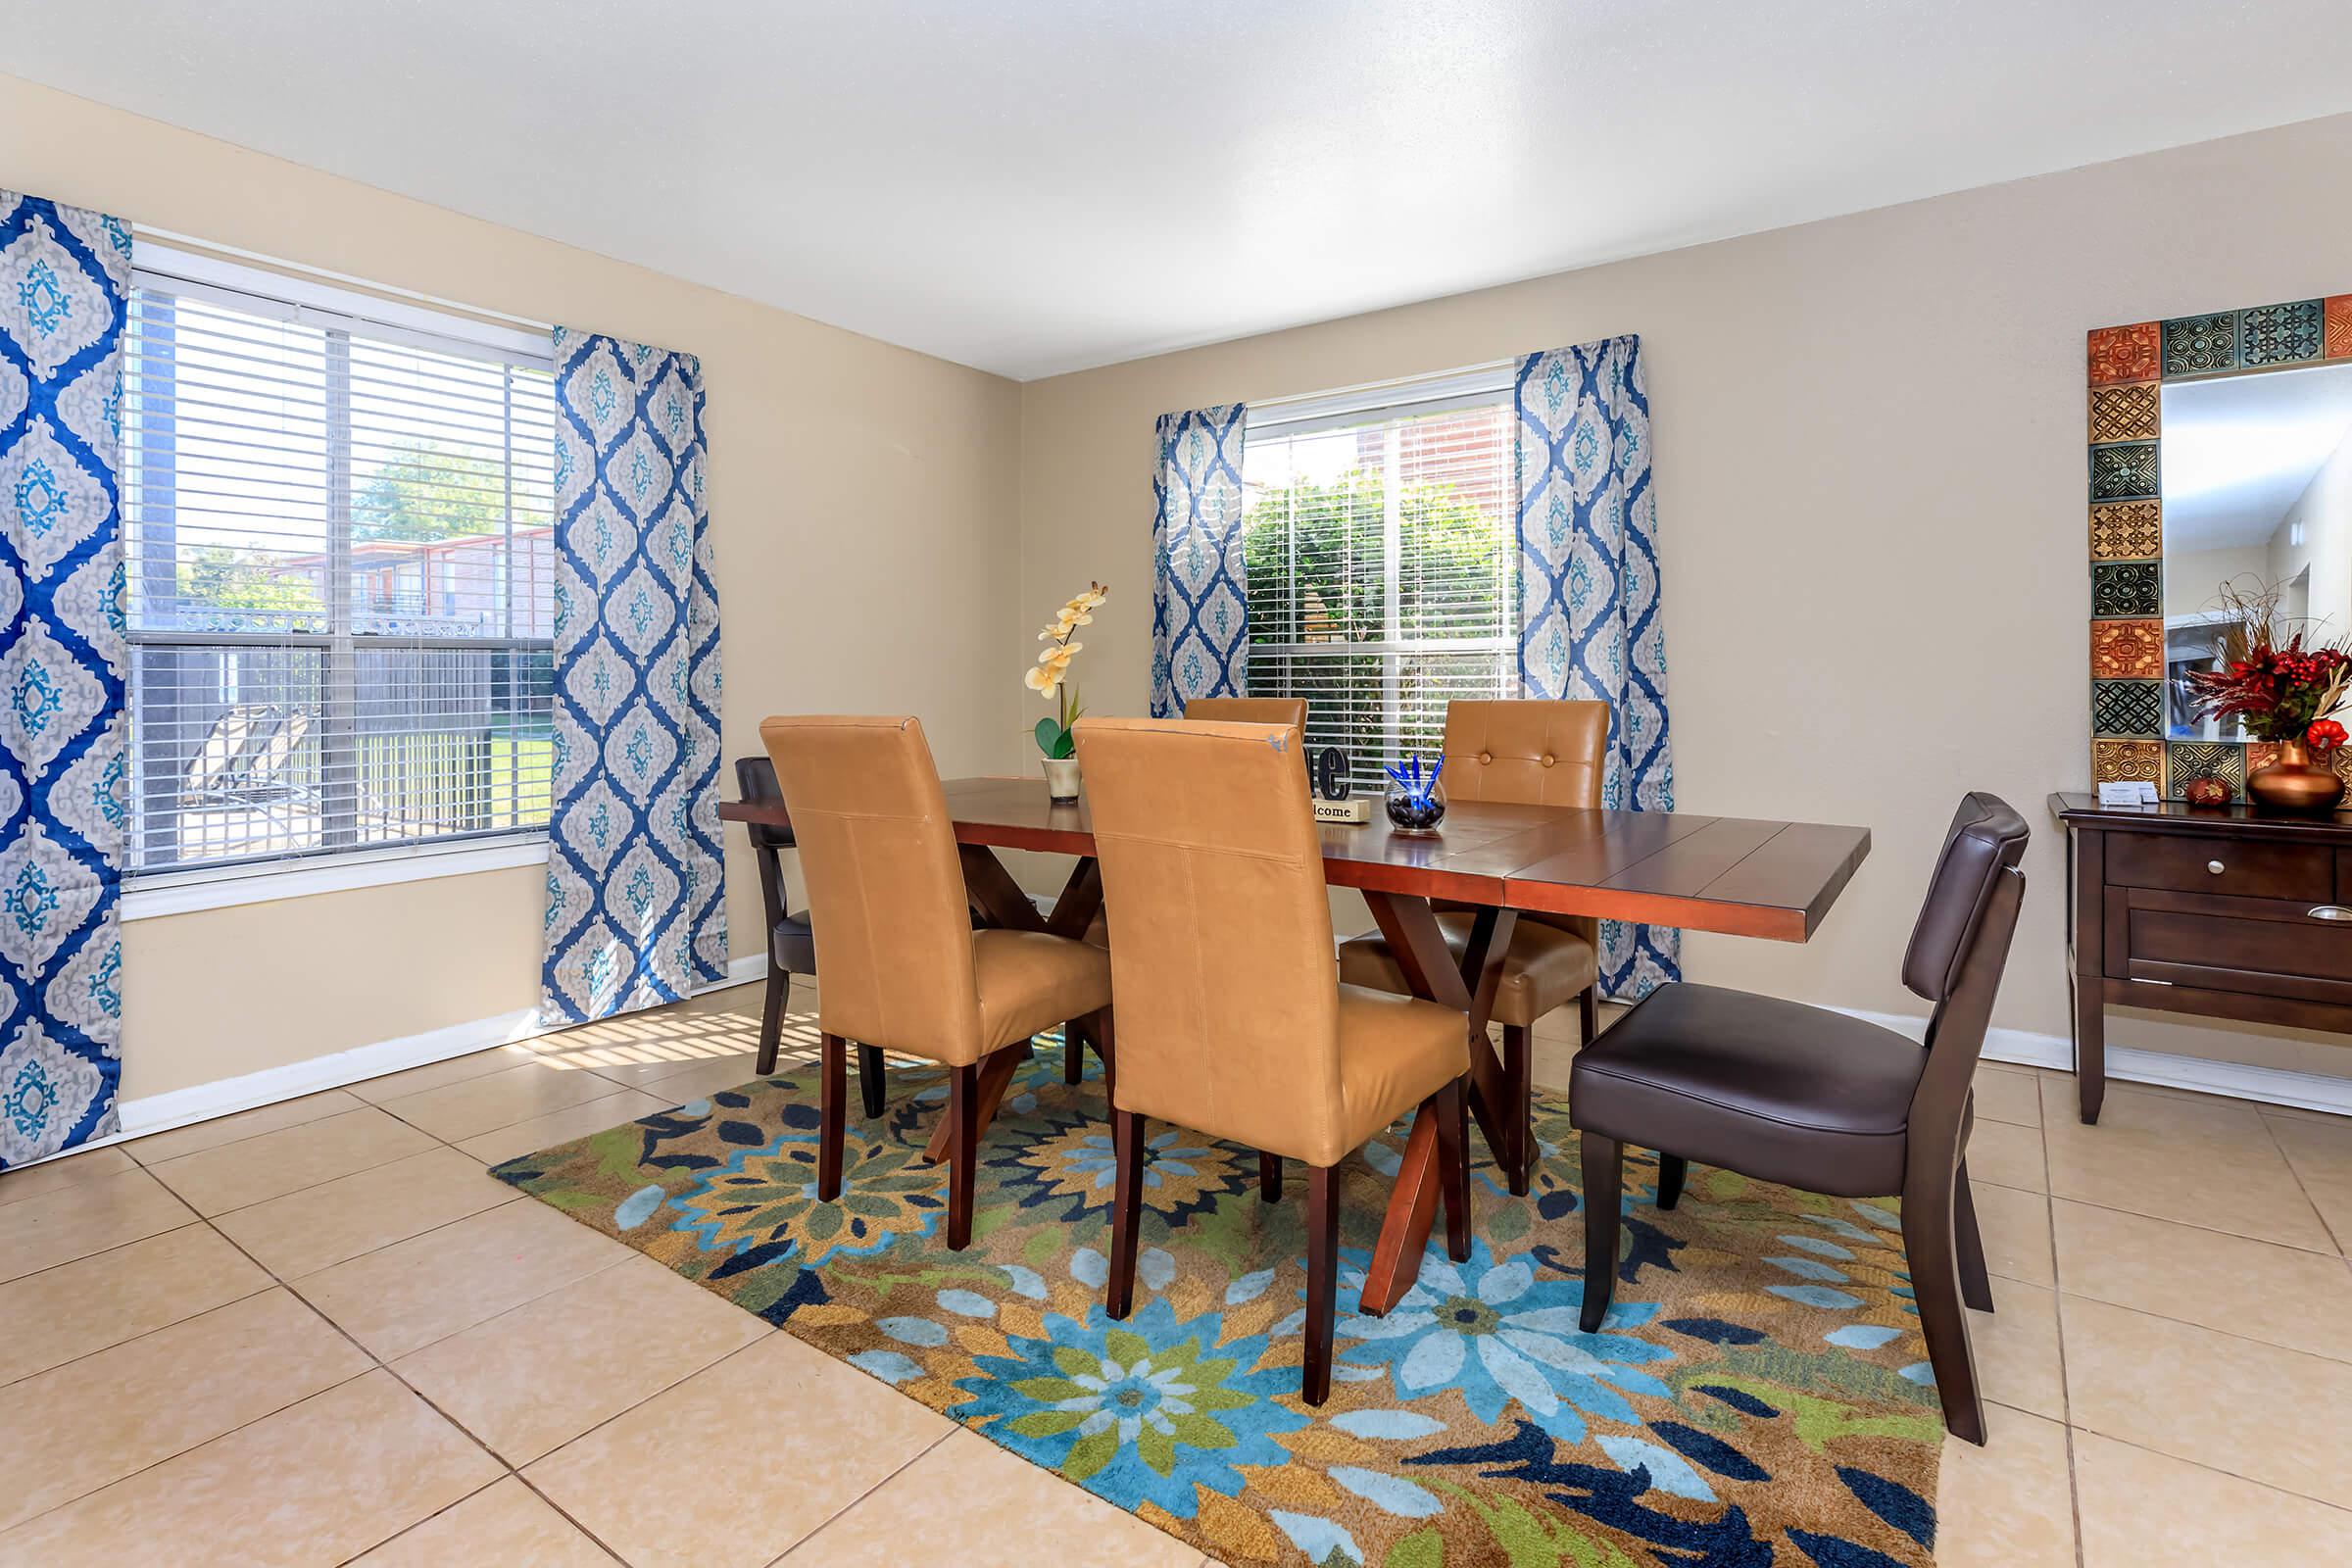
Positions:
{"x": 2275, "y": 1086}
{"x": 155, "y": 1113}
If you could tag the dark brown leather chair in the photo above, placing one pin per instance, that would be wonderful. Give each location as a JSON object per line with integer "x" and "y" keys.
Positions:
{"x": 1818, "y": 1101}
{"x": 791, "y": 948}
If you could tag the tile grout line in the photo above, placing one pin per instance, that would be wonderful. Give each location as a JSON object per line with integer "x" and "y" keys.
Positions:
{"x": 2066, "y": 1392}
{"x": 2065, "y": 1294}
{"x": 912, "y": 1459}
{"x": 269, "y": 1284}
{"x": 130, "y": 1146}
{"x": 2216, "y": 1470}
{"x": 2292, "y": 1170}
{"x": 274, "y": 1284}
{"x": 375, "y": 1363}
{"x": 193, "y": 1218}
{"x": 2054, "y": 1198}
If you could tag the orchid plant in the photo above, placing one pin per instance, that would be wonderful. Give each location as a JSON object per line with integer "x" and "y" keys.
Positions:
{"x": 1048, "y": 677}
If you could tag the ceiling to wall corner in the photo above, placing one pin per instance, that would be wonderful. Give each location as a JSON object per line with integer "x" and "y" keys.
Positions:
{"x": 1035, "y": 186}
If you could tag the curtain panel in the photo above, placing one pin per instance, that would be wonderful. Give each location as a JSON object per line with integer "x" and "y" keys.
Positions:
{"x": 1589, "y": 624}
{"x": 64, "y": 283}
{"x": 1199, "y": 592}
{"x": 636, "y": 911}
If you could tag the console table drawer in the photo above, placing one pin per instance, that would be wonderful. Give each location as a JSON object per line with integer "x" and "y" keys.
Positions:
{"x": 2236, "y": 867}
{"x": 2262, "y": 947}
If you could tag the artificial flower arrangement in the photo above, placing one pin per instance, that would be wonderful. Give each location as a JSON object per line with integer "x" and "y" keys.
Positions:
{"x": 1049, "y": 678}
{"x": 2282, "y": 686}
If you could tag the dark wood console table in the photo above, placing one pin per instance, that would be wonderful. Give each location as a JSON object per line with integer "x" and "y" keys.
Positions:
{"x": 2220, "y": 913}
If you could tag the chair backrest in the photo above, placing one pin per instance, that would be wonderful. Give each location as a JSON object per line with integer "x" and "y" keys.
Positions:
{"x": 1985, "y": 841}
{"x": 1527, "y": 752}
{"x": 1959, "y": 948}
{"x": 1291, "y": 710}
{"x": 755, "y": 780}
{"x": 886, "y": 889}
{"x": 1220, "y": 927}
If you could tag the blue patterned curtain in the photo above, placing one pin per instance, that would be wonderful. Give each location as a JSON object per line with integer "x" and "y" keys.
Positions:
{"x": 64, "y": 281}
{"x": 1200, "y": 597}
{"x": 1589, "y": 623}
{"x": 636, "y": 911}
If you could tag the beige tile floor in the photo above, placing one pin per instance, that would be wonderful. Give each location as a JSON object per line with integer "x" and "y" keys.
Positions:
{"x": 319, "y": 1333}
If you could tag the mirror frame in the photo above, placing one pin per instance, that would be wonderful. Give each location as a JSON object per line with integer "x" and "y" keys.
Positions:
{"x": 2128, "y": 369}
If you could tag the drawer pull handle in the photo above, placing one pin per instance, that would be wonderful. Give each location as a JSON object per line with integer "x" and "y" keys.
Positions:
{"x": 2216, "y": 867}
{"x": 2329, "y": 912}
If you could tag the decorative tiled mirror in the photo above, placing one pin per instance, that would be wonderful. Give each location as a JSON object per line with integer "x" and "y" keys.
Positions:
{"x": 2221, "y": 453}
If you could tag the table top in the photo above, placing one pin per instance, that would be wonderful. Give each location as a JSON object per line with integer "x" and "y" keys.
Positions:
{"x": 2238, "y": 820}
{"x": 1774, "y": 880}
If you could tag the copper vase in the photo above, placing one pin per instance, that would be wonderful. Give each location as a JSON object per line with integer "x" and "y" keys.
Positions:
{"x": 2293, "y": 782}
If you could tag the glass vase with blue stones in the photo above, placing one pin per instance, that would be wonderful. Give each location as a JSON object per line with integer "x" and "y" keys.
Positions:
{"x": 1416, "y": 800}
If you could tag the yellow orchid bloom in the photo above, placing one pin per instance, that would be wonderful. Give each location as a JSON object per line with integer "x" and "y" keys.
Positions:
{"x": 1041, "y": 680}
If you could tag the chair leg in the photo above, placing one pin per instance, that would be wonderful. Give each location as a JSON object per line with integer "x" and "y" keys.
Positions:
{"x": 1269, "y": 1177}
{"x": 1126, "y": 1210}
{"x": 1322, "y": 1280}
{"x": 1098, "y": 1028}
{"x": 869, "y": 1078}
{"x": 1453, "y": 1173}
{"x": 1974, "y": 1287}
{"x": 1073, "y": 1050}
{"x": 1673, "y": 1169}
{"x": 964, "y": 1138}
{"x": 832, "y": 1090}
{"x": 1604, "y": 1182}
{"x": 1518, "y": 1076}
{"x": 1587, "y": 1012}
{"x": 1930, "y": 1246}
{"x": 771, "y": 1019}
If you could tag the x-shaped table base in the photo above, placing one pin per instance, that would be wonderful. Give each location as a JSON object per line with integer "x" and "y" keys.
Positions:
{"x": 1414, "y": 938}
{"x": 1001, "y": 900}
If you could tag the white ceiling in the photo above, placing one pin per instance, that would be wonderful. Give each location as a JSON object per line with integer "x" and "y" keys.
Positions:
{"x": 1034, "y": 186}
{"x": 2239, "y": 451}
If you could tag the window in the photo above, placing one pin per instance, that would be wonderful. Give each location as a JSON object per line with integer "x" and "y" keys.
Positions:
{"x": 340, "y": 529}
{"x": 1383, "y": 561}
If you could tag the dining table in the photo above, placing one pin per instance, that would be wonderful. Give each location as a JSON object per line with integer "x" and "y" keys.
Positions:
{"x": 1771, "y": 880}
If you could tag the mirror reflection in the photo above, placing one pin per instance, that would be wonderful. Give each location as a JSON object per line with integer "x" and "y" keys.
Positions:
{"x": 2257, "y": 488}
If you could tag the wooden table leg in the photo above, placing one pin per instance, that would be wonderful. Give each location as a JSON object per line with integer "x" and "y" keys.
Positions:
{"x": 1000, "y": 898}
{"x": 1414, "y": 937}
{"x": 995, "y": 1072}
{"x": 1001, "y": 903}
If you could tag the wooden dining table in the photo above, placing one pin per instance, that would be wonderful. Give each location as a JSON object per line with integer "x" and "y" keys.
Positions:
{"x": 1742, "y": 877}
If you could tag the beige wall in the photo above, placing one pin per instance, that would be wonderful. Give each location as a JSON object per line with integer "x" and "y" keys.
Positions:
{"x": 2192, "y": 578}
{"x": 863, "y": 509}
{"x": 2324, "y": 511}
{"x": 1869, "y": 437}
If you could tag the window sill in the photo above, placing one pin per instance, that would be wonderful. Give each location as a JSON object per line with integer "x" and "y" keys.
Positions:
{"x": 187, "y": 892}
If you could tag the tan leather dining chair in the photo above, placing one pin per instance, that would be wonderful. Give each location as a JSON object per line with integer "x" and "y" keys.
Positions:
{"x": 903, "y": 971}
{"x": 1523, "y": 753}
{"x": 1234, "y": 1022}
{"x": 1291, "y": 710}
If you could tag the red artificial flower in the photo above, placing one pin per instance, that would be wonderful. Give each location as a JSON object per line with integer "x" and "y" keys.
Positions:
{"x": 2325, "y": 734}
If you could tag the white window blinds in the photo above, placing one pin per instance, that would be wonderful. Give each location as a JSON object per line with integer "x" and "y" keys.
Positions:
{"x": 340, "y": 578}
{"x": 1382, "y": 564}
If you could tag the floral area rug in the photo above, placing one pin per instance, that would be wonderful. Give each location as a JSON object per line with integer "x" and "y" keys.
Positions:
{"x": 1757, "y": 1394}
